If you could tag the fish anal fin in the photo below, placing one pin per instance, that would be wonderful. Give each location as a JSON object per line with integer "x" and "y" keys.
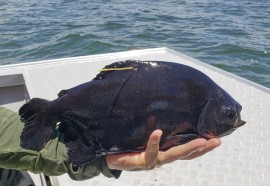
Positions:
{"x": 80, "y": 154}
{"x": 70, "y": 134}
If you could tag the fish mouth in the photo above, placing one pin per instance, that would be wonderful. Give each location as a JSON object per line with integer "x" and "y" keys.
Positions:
{"x": 219, "y": 131}
{"x": 213, "y": 134}
{"x": 227, "y": 131}
{"x": 240, "y": 123}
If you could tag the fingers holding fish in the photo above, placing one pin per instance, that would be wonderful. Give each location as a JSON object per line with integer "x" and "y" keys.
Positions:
{"x": 209, "y": 146}
{"x": 181, "y": 151}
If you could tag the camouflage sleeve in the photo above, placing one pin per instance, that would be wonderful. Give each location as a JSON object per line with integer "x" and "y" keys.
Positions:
{"x": 51, "y": 161}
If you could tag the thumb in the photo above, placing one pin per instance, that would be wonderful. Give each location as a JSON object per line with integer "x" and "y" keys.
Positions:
{"x": 152, "y": 150}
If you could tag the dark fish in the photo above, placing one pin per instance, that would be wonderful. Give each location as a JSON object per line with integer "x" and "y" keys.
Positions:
{"x": 118, "y": 110}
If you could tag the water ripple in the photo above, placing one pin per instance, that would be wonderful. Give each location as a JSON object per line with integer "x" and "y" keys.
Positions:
{"x": 232, "y": 35}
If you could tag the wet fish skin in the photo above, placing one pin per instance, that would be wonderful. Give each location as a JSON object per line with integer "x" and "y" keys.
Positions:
{"x": 118, "y": 110}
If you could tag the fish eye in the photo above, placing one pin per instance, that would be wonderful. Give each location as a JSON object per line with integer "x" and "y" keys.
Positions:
{"x": 230, "y": 113}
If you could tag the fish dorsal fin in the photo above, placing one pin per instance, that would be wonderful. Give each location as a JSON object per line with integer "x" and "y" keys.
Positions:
{"x": 62, "y": 93}
{"x": 117, "y": 66}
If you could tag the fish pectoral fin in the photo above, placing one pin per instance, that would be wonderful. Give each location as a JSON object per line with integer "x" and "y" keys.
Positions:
{"x": 80, "y": 154}
{"x": 178, "y": 139}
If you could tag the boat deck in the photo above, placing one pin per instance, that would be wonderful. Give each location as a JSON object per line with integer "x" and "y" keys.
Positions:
{"x": 242, "y": 159}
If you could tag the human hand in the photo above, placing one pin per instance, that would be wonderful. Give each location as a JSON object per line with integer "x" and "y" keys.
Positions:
{"x": 152, "y": 157}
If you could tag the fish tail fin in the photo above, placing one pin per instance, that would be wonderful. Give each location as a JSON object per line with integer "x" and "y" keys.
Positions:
{"x": 39, "y": 124}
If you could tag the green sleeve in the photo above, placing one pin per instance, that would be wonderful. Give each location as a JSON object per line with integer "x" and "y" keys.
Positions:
{"x": 51, "y": 161}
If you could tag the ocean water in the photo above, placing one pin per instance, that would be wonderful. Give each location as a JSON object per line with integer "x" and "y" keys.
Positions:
{"x": 231, "y": 35}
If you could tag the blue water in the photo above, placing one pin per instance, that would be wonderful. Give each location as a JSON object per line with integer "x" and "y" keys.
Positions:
{"x": 232, "y": 35}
